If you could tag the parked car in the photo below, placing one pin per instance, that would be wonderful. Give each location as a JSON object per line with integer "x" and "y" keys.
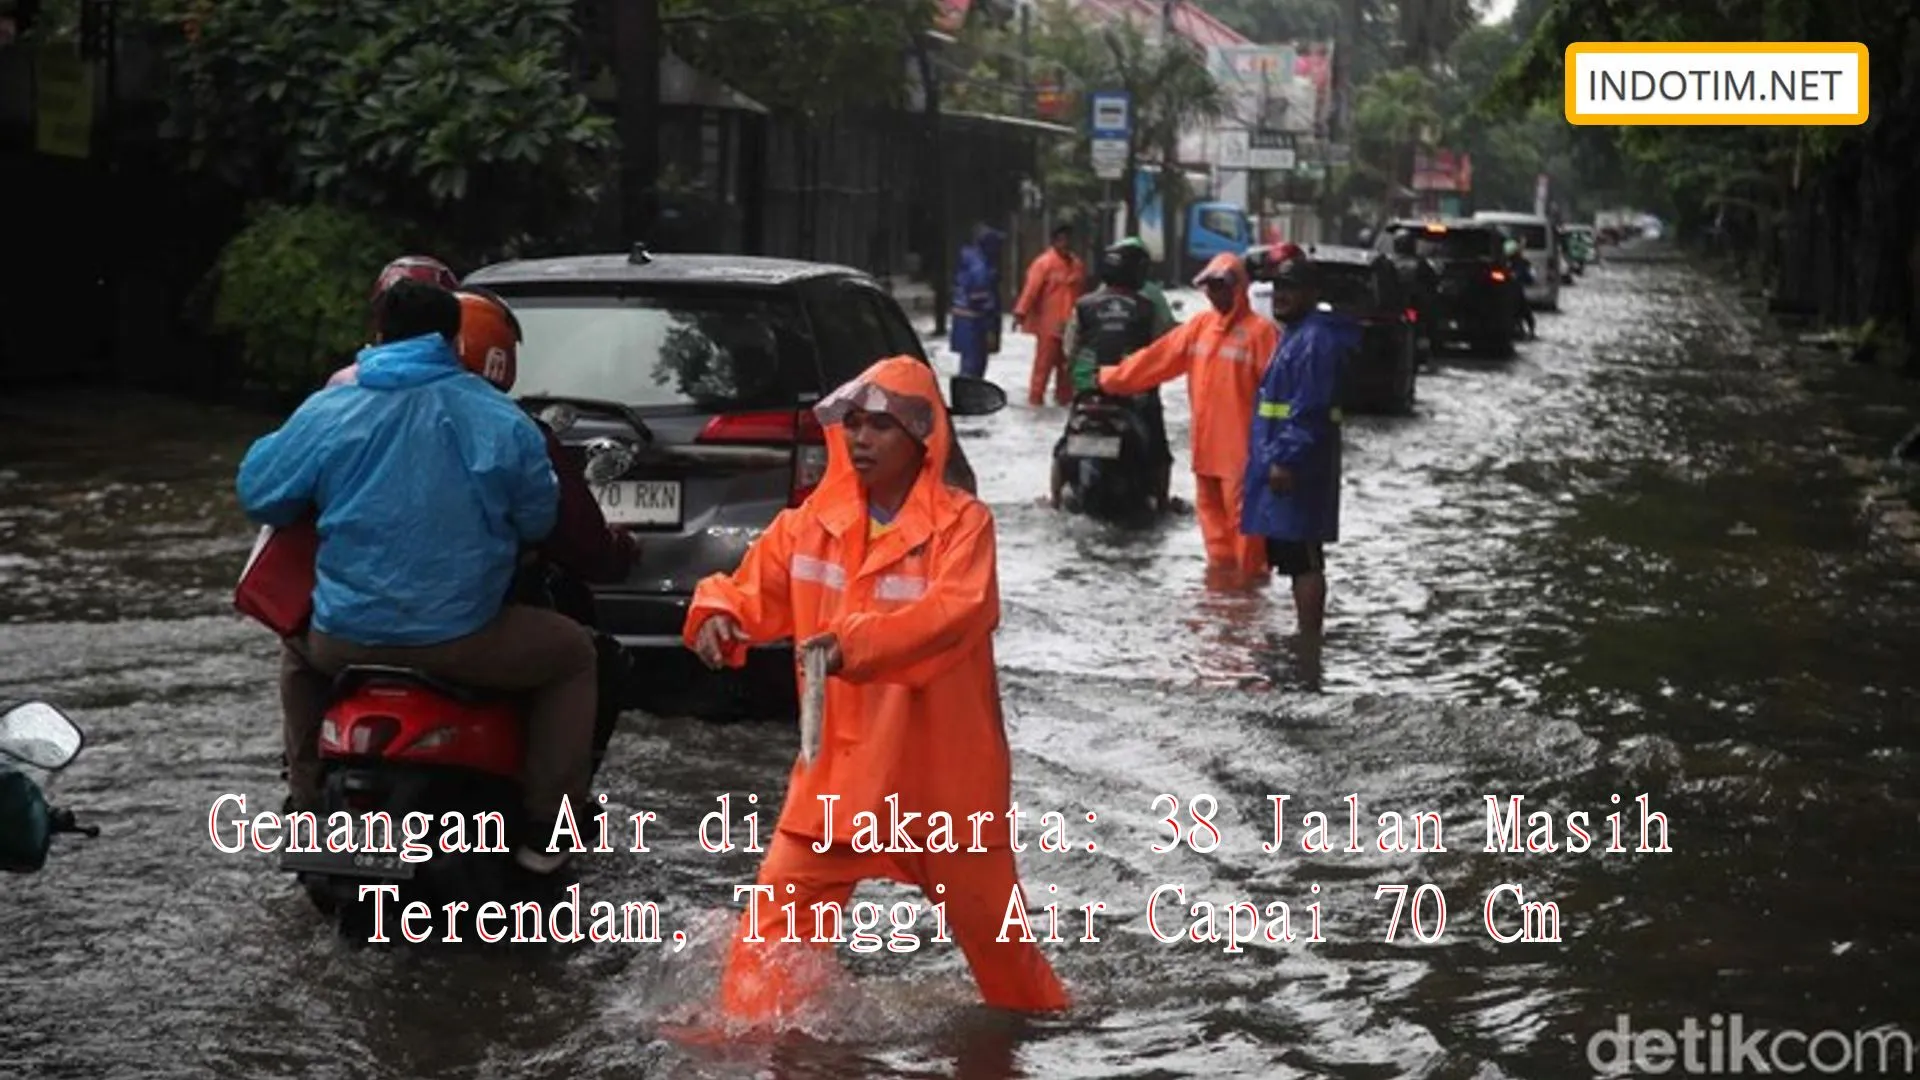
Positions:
{"x": 1463, "y": 292}
{"x": 1541, "y": 246}
{"x": 1366, "y": 286}
{"x": 699, "y": 372}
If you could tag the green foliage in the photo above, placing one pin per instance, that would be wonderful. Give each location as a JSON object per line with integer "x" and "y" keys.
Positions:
{"x": 292, "y": 288}
{"x": 457, "y": 113}
{"x": 812, "y": 56}
{"x": 1170, "y": 87}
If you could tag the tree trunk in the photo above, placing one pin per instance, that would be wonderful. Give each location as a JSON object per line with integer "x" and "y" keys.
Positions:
{"x": 636, "y": 51}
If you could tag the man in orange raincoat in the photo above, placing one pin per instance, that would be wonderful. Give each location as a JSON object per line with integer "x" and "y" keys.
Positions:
{"x": 1055, "y": 280}
{"x": 1223, "y": 352}
{"x": 894, "y": 571}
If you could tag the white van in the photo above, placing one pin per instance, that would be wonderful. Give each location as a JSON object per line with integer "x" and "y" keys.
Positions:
{"x": 1541, "y": 247}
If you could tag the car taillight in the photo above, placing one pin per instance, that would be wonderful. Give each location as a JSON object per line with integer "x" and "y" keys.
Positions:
{"x": 1497, "y": 275}
{"x": 797, "y": 428}
{"x": 1412, "y": 314}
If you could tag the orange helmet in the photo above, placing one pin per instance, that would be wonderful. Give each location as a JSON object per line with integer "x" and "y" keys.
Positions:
{"x": 489, "y": 337}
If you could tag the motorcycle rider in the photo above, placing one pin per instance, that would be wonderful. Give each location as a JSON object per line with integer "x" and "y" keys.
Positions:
{"x": 581, "y": 550}
{"x": 1519, "y": 277}
{"x": 1293, "y": 459}
{"x": 1108, "y": 324}
{"x": 426, "y": 482}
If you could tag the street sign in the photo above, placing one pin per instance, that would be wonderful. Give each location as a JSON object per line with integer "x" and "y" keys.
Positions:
{"x": 1109, "y": 158}
{"x": 1112, "y": 114}
{"x": 1230, "y": 148}
{"x": 1271, "y": 151}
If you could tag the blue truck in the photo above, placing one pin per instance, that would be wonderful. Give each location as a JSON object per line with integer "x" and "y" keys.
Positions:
{"x": 1211, "y": 226}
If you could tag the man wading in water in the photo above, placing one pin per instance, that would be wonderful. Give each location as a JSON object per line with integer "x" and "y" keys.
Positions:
{"x": 892, "y": 571}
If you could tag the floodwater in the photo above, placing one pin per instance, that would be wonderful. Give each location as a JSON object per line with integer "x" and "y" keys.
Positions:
{"x": 1626, "y": 563}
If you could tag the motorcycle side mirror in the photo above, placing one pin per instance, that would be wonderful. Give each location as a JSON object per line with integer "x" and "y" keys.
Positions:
{"x": 40, "y": 735}
{"x": 970, "y": 396}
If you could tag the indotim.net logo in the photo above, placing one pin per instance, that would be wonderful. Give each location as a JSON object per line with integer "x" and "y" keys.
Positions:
{"x": 1731, "y": 1046}
{"x": 1716, "y": 82}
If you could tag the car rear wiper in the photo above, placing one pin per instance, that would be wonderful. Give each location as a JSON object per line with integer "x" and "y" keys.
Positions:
{"x": 534, "y": 402}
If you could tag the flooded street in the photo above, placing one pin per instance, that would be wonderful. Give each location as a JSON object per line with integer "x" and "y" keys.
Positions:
{"x": 1627, "y": 562}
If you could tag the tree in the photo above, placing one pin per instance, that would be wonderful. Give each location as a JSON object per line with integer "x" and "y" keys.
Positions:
{"x": 454, "y": 119}
{"x": 1170, "y": 87}
{"x": 813, "y": 57}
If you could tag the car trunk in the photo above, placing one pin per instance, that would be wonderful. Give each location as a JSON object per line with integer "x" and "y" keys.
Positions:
{"x": 702, "y": 391}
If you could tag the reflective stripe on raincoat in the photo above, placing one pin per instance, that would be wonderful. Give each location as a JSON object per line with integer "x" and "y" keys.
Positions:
{"x": 1297, "y": 425}
{"x": 915, "y": 709}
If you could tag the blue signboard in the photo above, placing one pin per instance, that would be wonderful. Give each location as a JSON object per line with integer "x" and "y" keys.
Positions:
{"x": 1112, "y": 114}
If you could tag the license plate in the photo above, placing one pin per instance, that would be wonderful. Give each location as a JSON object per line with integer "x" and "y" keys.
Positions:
{"x": 639, "y": 502}
{"x": 348, "y": 864}
{"x": 1093, "y": 446}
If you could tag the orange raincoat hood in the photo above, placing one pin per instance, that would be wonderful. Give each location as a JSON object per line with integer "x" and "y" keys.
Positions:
{"x": 1228, "y": 265}
{"x": 907, "y": 390}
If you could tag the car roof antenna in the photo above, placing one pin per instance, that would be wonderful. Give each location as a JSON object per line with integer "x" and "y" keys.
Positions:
{"x": 639, "y": 256}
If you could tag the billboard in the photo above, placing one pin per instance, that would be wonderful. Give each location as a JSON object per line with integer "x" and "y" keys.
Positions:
{"x": 1442, "y": 170}
{"x": 1274, "y": 87}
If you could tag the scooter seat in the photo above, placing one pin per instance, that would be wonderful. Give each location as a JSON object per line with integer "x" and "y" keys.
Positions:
{"x": 355, "y": 676}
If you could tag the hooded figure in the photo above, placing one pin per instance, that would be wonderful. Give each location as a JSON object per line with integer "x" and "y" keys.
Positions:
{"x": 1055, "y": 280}
{"x": 1223, "y": 352}
{"x": 906, "y": 599}
{"x": 976, "y": 302}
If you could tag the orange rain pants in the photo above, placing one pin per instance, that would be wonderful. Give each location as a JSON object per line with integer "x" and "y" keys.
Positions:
{"x": 764, "y": 979}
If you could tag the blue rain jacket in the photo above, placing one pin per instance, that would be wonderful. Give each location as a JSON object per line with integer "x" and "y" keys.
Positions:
{"x": 975, "y": 315}
{"x": 427, "y": 481}
{"x": 1296, "y": 423}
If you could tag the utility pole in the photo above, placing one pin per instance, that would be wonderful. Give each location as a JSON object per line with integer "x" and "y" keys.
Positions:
{"x": 636, "y": 65}
{"x": 935, "y": 186}
{"x": 1169, "y": 158}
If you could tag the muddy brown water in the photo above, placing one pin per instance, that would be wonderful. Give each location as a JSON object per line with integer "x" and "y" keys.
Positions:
{"x": 1625, "y": 563}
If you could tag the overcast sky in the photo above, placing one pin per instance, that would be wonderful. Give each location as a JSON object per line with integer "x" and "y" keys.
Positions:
{"x": 1499, "y": 9}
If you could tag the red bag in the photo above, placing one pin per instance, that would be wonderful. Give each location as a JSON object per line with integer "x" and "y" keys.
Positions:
{"x": 276, "y": 586}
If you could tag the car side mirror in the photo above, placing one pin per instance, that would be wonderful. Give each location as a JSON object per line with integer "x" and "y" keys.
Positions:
{"x": 969, "y": 396}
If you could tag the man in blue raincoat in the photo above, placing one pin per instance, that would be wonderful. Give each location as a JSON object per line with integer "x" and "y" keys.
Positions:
{"x": 976, "y": 302}
{"x": 426, "y": 483}
{"x": 1293, "y": 462}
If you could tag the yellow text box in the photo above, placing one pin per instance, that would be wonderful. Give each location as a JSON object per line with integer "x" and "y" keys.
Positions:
{"x": 1757, "y": 83}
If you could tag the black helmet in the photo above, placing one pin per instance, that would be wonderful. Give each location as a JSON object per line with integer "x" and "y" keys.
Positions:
{"x": 1124, "y": 266}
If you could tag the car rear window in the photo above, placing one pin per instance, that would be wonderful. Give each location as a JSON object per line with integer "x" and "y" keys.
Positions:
{"x": 1531, "y": 237}
{"x": 1347, "y": 286}
{"x": 1452, "y": 244}
{"x": 695, "y": 350}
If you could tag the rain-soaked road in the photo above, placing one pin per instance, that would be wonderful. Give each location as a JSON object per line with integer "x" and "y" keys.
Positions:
{"x": 1623, "y": 563}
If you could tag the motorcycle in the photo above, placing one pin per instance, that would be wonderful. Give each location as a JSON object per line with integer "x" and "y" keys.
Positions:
{"x": 400, "y": 741}
{"x": 1105, "y": 459}
{"x": 37, "y": 734}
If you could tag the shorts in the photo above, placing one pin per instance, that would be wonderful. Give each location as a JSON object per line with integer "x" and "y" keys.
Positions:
{"x": 1296, "y": 557}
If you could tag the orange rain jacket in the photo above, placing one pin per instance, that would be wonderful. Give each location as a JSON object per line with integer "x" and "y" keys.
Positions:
{"x": 1224, "y": 358}
{"x": 915, "y": 708}
{"x": 1054, "y": 283}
